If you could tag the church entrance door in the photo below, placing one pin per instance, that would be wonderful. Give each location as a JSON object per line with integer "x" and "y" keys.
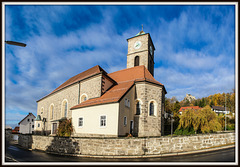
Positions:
{"x": 54, "y": 128}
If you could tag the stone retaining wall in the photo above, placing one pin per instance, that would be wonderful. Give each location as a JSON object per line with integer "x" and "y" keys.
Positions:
{"x": 124, "y": 146}
{"x": 8, "y": 136}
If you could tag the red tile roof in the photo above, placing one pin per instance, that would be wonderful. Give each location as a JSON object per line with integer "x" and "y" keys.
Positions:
{"x": 111, "y": 96}
{"x": 15, "y": 130}
{"x": 125, "y": 80}
{"x": 190, "y": 107}
{"x": 88, "y": 73}
{"x": 138, "y": 73}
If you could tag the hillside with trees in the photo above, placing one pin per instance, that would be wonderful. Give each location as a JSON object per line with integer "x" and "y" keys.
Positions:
{"x": 191, "y": 121}
{"x": 214, "y": 100}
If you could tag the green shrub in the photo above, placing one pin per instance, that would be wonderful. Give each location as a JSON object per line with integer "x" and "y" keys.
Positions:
{"x": 186, "y": 131}
{"x": 65, "y": 128}
{"x": 231, "y": 127}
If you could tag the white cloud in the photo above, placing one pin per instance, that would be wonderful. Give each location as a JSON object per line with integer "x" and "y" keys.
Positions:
{"x": 200, "y": 85}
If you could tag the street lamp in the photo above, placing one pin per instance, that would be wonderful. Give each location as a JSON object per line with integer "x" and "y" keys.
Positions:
{"x": 225, "y": 114}
{"x": 16, "y": 43}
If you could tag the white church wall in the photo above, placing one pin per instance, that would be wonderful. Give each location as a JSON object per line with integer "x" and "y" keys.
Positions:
{"x": 91, "y": 120}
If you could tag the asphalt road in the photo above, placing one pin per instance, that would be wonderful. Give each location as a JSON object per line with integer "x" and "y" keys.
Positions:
{"x": 16, "y": 154}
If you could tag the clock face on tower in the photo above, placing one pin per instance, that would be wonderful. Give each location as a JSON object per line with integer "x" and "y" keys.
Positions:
{"x": 137, "y": 44}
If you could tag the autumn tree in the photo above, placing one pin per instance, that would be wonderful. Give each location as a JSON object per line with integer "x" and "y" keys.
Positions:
{"x": 176, "y": 107}
{"x": 203, "y": 120}
{"x": 172, "y": 106}
{"x": 65, "y": 128}
{"x": 208, "y": 121}
{"x": 168, "y": 105}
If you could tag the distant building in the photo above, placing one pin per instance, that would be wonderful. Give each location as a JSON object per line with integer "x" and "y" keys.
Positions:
{"x": 15, "y": 133}
{"x": 220, "y": 110}
{"x": 189, "y": 97}
{"x": 188, "y": 107}
{"x": 16, "y": 130}
{"x": 26, "y": 125}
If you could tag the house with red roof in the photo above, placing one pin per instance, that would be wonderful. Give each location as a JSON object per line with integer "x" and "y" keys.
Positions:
{"x": 129, "y": 101}
{"x": 15, "y": 130}
{"x": 15, "y": 133}
{"x": 188, "y": 107}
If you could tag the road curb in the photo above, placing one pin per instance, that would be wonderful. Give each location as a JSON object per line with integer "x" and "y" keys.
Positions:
{"x": 200, "y": 151}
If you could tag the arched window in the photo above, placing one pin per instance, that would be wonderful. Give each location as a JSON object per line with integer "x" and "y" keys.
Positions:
{"x": 51, "y": 111}
{"x": 64, "y": 108}
{"x": 83, "y": 97}
{"x": 138, "y": 108}
{"x": 136, "y": 61}
{"x": 151, "y": 109}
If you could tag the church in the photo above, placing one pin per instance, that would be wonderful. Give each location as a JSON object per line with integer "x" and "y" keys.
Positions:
{"x": 101, "y": 104}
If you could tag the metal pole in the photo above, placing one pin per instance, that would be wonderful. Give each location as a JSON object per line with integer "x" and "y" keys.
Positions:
{"x": 171, "y": 125}
{"x": 225, "y": 114}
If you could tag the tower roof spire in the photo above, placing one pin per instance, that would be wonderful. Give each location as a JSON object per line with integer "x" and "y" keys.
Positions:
{"x": 141, "y": 32}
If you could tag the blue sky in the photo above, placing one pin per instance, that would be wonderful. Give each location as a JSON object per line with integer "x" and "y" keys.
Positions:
{"x": 195, "y": 47}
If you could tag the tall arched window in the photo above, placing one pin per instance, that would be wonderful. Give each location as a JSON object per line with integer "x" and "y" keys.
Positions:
{"x": 64, "y": 108}
{"x": 65, "y": 112}
{"x": 151, "y": 109}
{"x": 138, "y": 108}
{"x": 51, "y": 111}
{"x": 136, "y": 61}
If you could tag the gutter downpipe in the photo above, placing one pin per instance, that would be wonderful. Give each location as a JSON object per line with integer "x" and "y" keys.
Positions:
{"x": 78, "y": 92}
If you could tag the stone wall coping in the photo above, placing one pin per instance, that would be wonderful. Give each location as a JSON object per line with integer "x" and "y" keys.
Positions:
{"x": 105, "y": 137}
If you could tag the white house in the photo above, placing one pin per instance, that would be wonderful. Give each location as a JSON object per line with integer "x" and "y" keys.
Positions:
{"x": 220, "y": 110}
{"x": 26, "y": 125}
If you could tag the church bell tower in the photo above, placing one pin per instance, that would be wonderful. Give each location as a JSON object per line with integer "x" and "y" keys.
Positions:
{"x": 141, "y": 51}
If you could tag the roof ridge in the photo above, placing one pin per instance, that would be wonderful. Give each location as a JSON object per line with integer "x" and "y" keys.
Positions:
{"x": 127, "y": 69}
{"x": 26, "y": 117}
{"x": 76, "y": 78}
